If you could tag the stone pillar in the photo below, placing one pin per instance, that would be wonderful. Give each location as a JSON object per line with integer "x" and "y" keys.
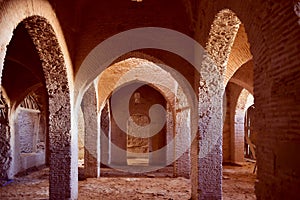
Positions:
{"x": 92, "y": 136}
{"x": 182, "y": 137}
{"x": 105, "y": 128}
{"x": 63, "y": 170}
{"x": 63, "y": 149}
{"x": 230, "y": 134}
{"x": 239, "y": 130}
{"x": 207, "y": 151}
{"x": 5, "y": 137}
{"x": 170, "y": 131}
{"x": 118, "y": 139}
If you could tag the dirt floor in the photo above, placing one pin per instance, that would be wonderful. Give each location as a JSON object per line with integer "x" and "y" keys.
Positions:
{"x": 238, "y": 183}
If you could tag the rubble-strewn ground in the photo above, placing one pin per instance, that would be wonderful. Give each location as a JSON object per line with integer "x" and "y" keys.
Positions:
{"x": 238, "y": 183}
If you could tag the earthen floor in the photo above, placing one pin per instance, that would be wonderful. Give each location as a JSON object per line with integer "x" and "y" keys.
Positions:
{"x": 238, "y": 183}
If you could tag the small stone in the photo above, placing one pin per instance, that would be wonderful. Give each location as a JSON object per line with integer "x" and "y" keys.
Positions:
{"x": 150, "y": 175}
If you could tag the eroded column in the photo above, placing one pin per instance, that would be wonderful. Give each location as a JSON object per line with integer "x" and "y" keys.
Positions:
{"x": 105, "y": 128}
{"x": 91, "y": 137}
{"x": 182, "y": 138}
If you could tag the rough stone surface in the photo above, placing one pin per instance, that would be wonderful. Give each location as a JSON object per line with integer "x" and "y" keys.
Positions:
{"x": 106, "y": 132}
{"x": 81, "y": 132}
{"x": 5, "y": 155}
{"x": 28, "y": 127}
{"x": 91, "y": 134}
{"x": 182, "y": 166}
{"x": 207, "y": 181}
{"x": 47, "y": 46}
{"x": 134, "y": 125}
{"x": 221, "y": 37}
{"x": 273, "y": 33}
{"x": 28, "y": 147}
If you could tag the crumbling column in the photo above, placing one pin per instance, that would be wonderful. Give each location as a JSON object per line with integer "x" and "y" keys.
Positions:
{"x": 182, "y": 137}
{"x": 170, "y": 132}
{"x": 5, "y": 157}
{"x": 92, "y": 136}
{"x": 207, "y": 153}
{"x": 62, "y": 143}
{"x": 105, "y": 128}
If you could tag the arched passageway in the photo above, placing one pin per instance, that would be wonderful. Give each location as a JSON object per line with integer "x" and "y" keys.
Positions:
{"x": 64, "y": 33}
{"x": 29, "y": 71}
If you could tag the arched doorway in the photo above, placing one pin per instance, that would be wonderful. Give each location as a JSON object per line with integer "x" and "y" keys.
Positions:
{"x": 138, "y": 148}
{"x": 34, "y": 61}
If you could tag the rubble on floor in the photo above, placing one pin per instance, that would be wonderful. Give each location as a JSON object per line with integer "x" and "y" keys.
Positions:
{"x": 238, "y": 183}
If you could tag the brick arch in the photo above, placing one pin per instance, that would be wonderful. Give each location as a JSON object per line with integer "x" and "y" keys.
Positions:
{"x": 57, "y": 87}
{"x": 139, "y": 55}
{"x": 43, "y": 27}
{"x": 239, "y": 54}
{"x": 160, "y": 80}
{"x": 227, "y": 44}
{"x": 221, "y": 37}
{"x": 9, "y": 19}
{"x": 219, "y": 24}
{"x": 273, "y": 34}
{"x": 244, "y": 76}
{"x": 104, "y": 92}
{"x": 244, "y": 101}
{"x": 166, "y": 85}
{"x": 164, "y": 91}
{"x": 250, "y": 15}
{"x": 222, "y": 33}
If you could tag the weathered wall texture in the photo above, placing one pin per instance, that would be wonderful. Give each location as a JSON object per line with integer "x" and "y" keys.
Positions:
{"x": 183, "y": 135}
{"x": 237, "y": 102}
{"x": 149, "y": 97}
{"x": 277, "y": 108}
{"x": 239, "y": 53}
{"x": 134, "y": 125}
{"x": 245, "y": 100}
{"x": 26, "y": 151}
{"x": 81, "y": 133}
{"x": 49, "y": 48}
{"x": 231, "y": 93}
{"x": 273, "y": 33}
{"x": 28, "y": 128}
{"x": 244, "y": 76}
{"x": 46, "y": 43}
{"x": 207, "y": 183}
{"x": 105, "y": 125}
{"x": 133, "y": 69}
{"x": 5, "y": 145}
{"x": 31, "y": 150}
{"x": 272, "y": 29}
{"x": 91, "y": 134}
